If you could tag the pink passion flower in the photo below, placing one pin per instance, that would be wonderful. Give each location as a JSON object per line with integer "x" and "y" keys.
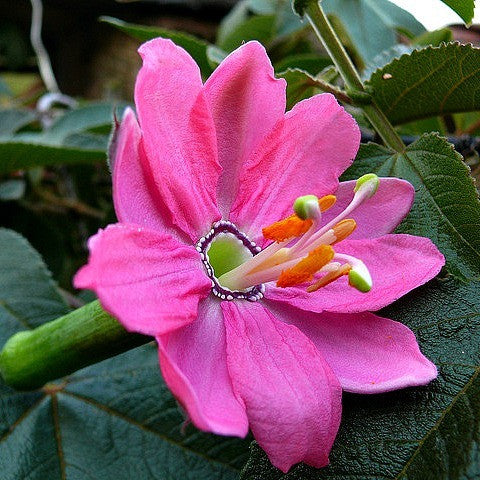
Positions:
{"x": 256, "y": 330}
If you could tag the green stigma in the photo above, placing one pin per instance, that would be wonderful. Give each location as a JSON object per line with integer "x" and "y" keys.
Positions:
{"x": 226, "y": 253}
{"x": 305, "y": 206}
{"x": 369, "y": 181}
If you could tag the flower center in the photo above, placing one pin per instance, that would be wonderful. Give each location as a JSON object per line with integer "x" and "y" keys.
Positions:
{"x": 223, "y": 249}
{"x": 302, "y": 249}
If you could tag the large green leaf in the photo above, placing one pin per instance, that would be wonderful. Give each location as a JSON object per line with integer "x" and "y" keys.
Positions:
{"x": 114, "y": 420}
{"x": 28, "y": 296}
{"x": 19, "y": 155}
{"x": 429, "y": 433}
{"x": 372, "y": 24}
{"x": 428, "y": 82}
{"x": 446, "y": 207}
{"x": 88, "y": 117}
{"x": 195, "y": 46}
{"x": 69, "y": 140}
{"x": 463, "y": 7}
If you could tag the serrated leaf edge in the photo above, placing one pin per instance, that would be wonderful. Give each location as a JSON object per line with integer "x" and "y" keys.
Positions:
{"x": 467, "y": 171}
{"x": 39, "y": 264}
{"x": 421, "y": 51}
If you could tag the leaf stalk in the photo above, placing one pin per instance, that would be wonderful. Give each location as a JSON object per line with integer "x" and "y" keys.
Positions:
{"x": 325, "y": 32}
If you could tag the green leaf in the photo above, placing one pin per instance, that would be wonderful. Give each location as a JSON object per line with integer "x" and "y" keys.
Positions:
{"x": 426, "y": 125}
{"x": 384, "y": 58}
{"x": 286, "y": 20}
{"x": 20, "y": 155}
{"x": 434, "y": 38}
{"x": 300, "y": 85}
{"x": 68, "y": 141}
{"x": 82, "y": 119}
{"x": 257, "y": 27}
{"x": 463, "y": 7}
{"x": 195, "y": 46}
{"x": 312, "y": 63}
{"x": 371, "y": 24}
{"x": 468, "y": 123}
{"x": 12, "y": 120}
{"x": 237, "y": 15}
{"x": 428, "y": 82}
{"x": 28, "y": 295}
{"x": 428, "y": 433}
{"x": 446, "y": 207}
{"x": 113, "y": 420}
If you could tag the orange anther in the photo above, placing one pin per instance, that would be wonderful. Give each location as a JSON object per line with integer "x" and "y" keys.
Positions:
{"x": 343, "y": 229}
{"x": 304, "y": 270}
{"x": 289, "y": 227}
{"x": 326, "y": 202}
{"x": 330, "y": 277}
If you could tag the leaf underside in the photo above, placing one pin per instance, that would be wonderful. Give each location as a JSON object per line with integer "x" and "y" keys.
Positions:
{"x": 371, "y": 24}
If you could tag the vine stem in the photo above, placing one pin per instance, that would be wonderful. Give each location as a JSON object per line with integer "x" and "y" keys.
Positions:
{"x": 58, "y": 348}
{"x": 325, "y": 32}
{"x": 44, "y": 64}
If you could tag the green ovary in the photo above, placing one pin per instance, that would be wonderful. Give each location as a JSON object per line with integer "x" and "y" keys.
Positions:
{"x": 226, "y": 253}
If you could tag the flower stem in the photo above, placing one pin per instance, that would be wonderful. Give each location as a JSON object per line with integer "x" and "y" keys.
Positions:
{"x": 83, "y": 337}
{"x": 322, "y": 27}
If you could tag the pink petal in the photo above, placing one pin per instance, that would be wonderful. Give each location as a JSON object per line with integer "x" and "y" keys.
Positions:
{"x": 397, "y": 264}
{"x": 246, "y": 101}
{"x": 379, "y": 214}
{"x": 136, "y": 198}
{"x": 367, "y": 353}
{"x": 304, "y": 154}
{"x": 178, "y": 135}
{"x": 149, "y": 281}
{"x": 194, "y": 365}
{"x": 292, "y": 398}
